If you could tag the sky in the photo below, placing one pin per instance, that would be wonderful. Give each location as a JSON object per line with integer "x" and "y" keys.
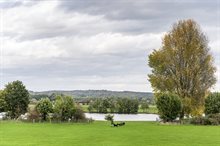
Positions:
{"x": 93, "y": 44}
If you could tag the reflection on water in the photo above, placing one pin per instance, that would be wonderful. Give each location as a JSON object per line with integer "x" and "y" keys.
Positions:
{"x": 124, "y": 117}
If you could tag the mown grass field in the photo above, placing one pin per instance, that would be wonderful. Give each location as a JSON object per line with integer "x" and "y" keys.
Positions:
{"x": 101, "y": 134}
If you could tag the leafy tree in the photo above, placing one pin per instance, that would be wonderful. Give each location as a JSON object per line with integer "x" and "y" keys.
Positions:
{"x": 105, "y": 105}
{"x": 144, "y": 105}
{"x": 100, "y": 105}
{"x": 96, "y": 104}
{"x": 90, "y": 107}
{"x": 134, "y": 106}
{"x": 2, "y": 101}
{"x": 183, "y": 65}
{"x": 122, "y": 102}
{"x": 17, "y": 98}
{"x": 169, "y": 106}
{"x": 212, "y": 104}
{"x": 112, "y": 105}
{"x": 127, "y": 106}
{"x": 64, "y": 108}
{"x": 79, "y": 114}
{"x": 44, "y": 107}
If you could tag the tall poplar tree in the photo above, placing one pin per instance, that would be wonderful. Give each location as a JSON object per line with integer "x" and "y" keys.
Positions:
{"x": 184, "y": 66}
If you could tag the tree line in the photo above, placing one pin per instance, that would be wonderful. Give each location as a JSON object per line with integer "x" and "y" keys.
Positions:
{"x": 89, "y": 94}
{"x": 14, "y": 100}
{"x": 117, "y": 105}
{"x": 62, "y": 109}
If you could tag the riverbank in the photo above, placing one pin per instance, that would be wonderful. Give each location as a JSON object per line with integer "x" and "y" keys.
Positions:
{"x": 102, "y": 134}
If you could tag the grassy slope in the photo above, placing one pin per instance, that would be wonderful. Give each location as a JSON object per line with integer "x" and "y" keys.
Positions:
{"x": 101, "y": 134}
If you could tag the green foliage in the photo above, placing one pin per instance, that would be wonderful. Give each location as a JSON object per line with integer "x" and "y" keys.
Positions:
{"x": 112, "y": 105}
{"x": 144, "y": 105}
{"x": 44, "y": 107}
{"x": 17, "y": 98}
{"x": 3, "y": 104}
{"x": 118, "y": 105}
{"x": 38, "y": 96}
{"x": 212, "y": 104}
{"x": 90, "y": 108}
{"x": 99, "y": 105}
{"x": 212, "y": 119}
{"x": 79, "y": 114}
{"x": 169, "y": 106}
{"x": 184, "y": 66}
{"x": 64, "y": 108}
{"x": 127, "y": 106}
{"x": 94, "y": 105}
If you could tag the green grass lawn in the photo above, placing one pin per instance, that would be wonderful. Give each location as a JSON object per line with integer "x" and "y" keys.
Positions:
{"x": 101, "y": 134}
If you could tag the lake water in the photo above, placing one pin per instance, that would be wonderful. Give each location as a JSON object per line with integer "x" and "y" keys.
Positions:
{"x": 124, "y": 117}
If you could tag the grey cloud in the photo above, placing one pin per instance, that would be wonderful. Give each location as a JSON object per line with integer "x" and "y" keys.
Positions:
{"x": 122, "y": 16}
{"x": 9, "y": 4}
{"x": 104, "y": 66}
{"x": 157, "y": 12}
{"x": 115, "y": 65}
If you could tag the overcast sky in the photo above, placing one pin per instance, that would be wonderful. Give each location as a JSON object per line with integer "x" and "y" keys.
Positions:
{"x": 93, "y": 44}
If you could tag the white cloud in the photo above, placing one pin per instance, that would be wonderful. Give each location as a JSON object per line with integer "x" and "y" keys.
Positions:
{"x": 25, "y": 52}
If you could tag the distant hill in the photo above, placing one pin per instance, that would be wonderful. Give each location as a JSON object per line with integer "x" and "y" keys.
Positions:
{"x": 93, "y": 94}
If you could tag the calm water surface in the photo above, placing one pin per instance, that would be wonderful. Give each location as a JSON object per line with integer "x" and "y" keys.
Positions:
{"x": 124, "y": 117}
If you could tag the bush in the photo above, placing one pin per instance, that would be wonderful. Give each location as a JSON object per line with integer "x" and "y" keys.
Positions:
{"x": 79, "y": 115}
{"x": 212, "y": 104}
{"x": 33, "y": 115}
{"x": 215, "y": 116}
{"x": 64, "y": 108}
{"x": 213, "y": 119}
{"x": 44, "y": 107}
{"x": 169, "y": 106}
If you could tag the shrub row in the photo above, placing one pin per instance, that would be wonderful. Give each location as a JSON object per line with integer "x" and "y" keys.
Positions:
{"x": 213, "y": 119}
{"x": 61, "y": 110}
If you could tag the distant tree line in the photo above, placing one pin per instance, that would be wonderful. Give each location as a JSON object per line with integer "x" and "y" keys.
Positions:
{"x": 98, "y": 93}
{"x": 117, "y": 105}
{"x": 93, "y": 94}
